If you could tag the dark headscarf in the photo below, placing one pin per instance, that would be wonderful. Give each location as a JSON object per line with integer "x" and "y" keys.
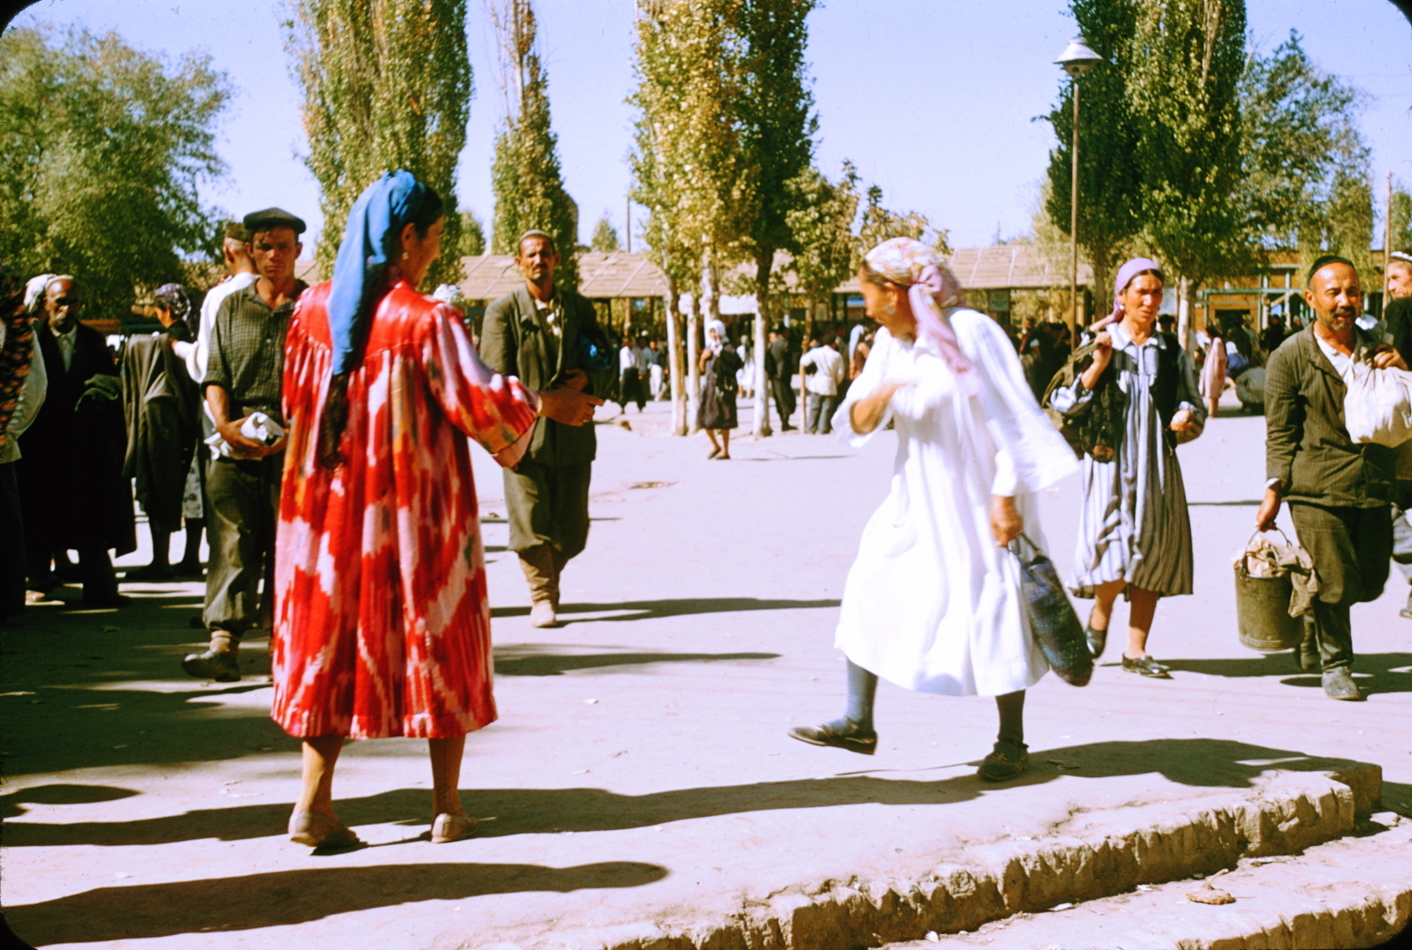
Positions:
{"x": 371, "y": 242}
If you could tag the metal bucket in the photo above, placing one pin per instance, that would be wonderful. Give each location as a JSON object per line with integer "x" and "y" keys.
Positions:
{"x": 1262, "y": 612}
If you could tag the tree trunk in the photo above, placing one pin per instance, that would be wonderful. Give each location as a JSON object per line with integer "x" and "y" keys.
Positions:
{"x": 1184, "y": 330}
{"x": 675, "y": 365}
{"x": 693, "y": 361}
{"x": 763, "y": 263}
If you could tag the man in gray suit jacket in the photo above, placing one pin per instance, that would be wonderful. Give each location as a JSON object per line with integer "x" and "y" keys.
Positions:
{"x": 1339, "y": 491}
{"x": 548, "y": 338}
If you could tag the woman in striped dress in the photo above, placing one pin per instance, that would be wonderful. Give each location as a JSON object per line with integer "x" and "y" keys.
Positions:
{"x": 1134, "y": 533}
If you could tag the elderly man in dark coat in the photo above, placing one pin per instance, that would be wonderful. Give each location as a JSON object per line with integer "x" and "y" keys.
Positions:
{"x": 71, "y": 471}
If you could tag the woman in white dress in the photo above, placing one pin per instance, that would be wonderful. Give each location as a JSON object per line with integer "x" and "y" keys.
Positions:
{"x": 933, "y": 602}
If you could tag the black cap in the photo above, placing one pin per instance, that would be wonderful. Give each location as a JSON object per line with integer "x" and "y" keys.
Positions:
{"x": 273, "y": 218}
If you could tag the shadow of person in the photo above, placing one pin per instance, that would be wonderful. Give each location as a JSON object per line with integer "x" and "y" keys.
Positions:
{"x": 60, "y": 794}
{"x": 679, "y": 607}
{"x": 537, "y": 659}
{"x": 284, "y": 898}
{"x": 1375, "y": 672}
{"x": 1195, "y": 762}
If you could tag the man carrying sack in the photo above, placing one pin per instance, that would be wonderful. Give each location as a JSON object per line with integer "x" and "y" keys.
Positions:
{"x": 1338, "y": 490}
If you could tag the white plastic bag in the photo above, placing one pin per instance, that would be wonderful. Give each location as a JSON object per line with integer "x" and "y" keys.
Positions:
{"x": 1378, "y": 404}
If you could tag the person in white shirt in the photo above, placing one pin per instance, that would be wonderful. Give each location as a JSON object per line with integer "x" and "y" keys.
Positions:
{"x": 823, "y": 374}
{"x": 630, "y": 363}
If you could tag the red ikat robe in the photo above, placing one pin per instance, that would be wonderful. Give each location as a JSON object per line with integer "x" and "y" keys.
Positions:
{"x": 382, "y": 622}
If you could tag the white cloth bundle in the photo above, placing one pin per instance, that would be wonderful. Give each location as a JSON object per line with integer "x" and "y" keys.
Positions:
{"x": 1378, "y": 405}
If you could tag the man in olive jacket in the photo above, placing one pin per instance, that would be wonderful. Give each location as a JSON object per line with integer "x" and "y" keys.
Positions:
{"x": 1339, "y": 491}
{"x": 548, "y": 337}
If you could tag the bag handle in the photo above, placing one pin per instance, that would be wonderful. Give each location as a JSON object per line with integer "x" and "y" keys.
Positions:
{"x": 1245, "y": 555}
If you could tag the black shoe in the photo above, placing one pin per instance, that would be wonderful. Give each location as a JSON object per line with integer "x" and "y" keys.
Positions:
{"x": 841, "y": 734}
{"x": 1145, "y": 666}
{"x": 1006, "y": 760}
{"x": 1097, "y": 640}
{"x": 218, "y": 665}
{"x": 1338, "y": 684}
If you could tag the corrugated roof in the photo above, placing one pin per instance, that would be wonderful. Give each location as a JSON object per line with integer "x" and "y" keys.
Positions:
{"x": 1001, "y": 267}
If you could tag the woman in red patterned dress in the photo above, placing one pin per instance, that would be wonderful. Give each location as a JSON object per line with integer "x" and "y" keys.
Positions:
{"x": 382, "y": 621}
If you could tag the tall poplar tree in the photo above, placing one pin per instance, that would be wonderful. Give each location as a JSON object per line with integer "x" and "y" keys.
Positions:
{"x": 525, "y": 174}
{"x": 387, "y": 84}
{"x": 1184, "y": 95}
{"x": 1110, "y": 181}
{"x": 821, "y": 223}
{"x": 689, "y": 168}
{"x": 777, "y": 144}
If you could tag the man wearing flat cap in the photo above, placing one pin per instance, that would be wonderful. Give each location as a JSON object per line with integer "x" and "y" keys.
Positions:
{"x": 1339, "y": 491}
{"x": 242, "y": 383}
{"x": 548, "y": 337}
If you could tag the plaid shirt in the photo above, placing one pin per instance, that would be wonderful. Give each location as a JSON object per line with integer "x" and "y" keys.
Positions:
{"x": 247, "y": 352}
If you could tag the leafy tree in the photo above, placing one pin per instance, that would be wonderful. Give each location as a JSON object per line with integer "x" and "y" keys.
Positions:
{"x": 821, "y": 223}
{"x": 879, "y": 224}
{"x": 605, "y": 237}
{"x": 386, "y": 85}
{"x": 1110, "y": 181}
{"x": 1305, "y": 177}
{"x": 104, "y": 147}
{"x": 777, "y": 143}
{"x": 525, "y": 174}
{"x": 1401, "y": 214}
{"x": 472, "y": 235}
{"x": 1184, "y": 94}
{"x": 690, "y": 170}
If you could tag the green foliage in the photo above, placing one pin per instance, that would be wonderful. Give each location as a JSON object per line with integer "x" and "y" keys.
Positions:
{"x": 472, "y": 235}
{"x": 1401, "y": 213}
{"x": 525, "y": 174}
{"x": 387, "y": 85}
{"x": 1110, "y": 181}
{"x": 1305, "y": 181}
{"x": 1184, "y": 94}
{"x": 104, "y": 147}
{"x": 821, "y": 222}
{"x": 879, "y": 224}
{"x": 605, "y": 237}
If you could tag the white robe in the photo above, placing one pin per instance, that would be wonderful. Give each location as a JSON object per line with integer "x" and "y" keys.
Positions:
{"x": 931, "y": 603}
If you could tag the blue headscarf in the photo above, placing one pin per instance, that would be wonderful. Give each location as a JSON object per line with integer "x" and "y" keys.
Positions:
{"x": 371, "y": 241}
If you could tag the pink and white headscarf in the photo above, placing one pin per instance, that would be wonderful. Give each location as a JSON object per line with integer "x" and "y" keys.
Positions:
{"x": 932, "y": 290}
{"x": 1126, "y": 273}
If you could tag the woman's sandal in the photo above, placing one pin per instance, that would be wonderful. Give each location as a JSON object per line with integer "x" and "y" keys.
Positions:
{"x": 448, "y": 827}
{"x": 841, "y": 734}
{"x": 1006, "y": 760}
{"x": 317, "y": 830}
{"x": 1097, "y": 640}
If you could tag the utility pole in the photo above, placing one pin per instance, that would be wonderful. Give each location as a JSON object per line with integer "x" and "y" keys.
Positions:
{"x": 627, "y": 221}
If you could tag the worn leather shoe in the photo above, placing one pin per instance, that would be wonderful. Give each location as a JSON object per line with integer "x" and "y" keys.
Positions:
{"x": 1145, "y": 665}
{"x": 1338, "y": 684}
{"x": 542, "y": 614}
{"x": 842, "y": 734}
{"x": 218, "y": 665}
{"x": 449, "y": 827}
{"x": 1097, "y": 640}
{"x": 1006, "y": 760}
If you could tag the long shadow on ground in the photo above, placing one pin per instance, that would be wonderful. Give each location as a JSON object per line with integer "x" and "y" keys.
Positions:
{"x": 1202, "y": 763}
{"x": 1386, "y": 672}
{"x": 283, "y": 898}
{"x": 679, "y": 607}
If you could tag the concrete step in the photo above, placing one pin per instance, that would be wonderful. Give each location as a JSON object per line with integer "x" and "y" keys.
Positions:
{"x": 1089, "y": 856}
{"x": 1354, "y": 892}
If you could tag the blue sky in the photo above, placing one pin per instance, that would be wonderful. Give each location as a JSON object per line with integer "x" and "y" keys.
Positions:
{"x": 931, "y": 99}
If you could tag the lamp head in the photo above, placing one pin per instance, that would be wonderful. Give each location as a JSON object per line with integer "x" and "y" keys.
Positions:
{"x": 1077, "y": 58}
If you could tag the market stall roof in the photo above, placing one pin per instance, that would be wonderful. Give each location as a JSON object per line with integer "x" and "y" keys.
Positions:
{"x": 1002, "y": 267}
{"x": 601, "y": 276}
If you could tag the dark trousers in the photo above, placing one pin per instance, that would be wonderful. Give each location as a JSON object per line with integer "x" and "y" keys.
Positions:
{"x": 819, "y": 417}
{"x": 548, "y": 504}
{"x": 243, "y": 498}
{"x": 12, "y": 544}
{"x": 1351, "y": 548}
{"x": 783, "y": 394}
{"x": 630, "y": 389}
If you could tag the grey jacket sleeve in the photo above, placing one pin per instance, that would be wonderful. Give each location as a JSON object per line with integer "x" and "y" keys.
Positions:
{"x": 497, "y": 342}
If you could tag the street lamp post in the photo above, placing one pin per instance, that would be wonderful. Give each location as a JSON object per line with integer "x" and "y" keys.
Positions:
{"x": 1076, "y": 60}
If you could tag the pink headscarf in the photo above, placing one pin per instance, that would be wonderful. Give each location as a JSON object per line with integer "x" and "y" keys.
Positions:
{"x": 1126, "y": 273}
{"x": 932, "y": 290}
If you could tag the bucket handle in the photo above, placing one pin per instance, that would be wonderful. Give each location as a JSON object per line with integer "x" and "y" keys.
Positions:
{"x": 1245, "y": 555}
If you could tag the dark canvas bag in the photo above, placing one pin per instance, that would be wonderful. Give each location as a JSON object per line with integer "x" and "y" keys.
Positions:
{"x": 1053, "y": 622}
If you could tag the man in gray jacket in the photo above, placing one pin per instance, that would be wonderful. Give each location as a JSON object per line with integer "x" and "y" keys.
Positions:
{"x": 1339, "y": 491}
{"x": 548, "y": 337}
